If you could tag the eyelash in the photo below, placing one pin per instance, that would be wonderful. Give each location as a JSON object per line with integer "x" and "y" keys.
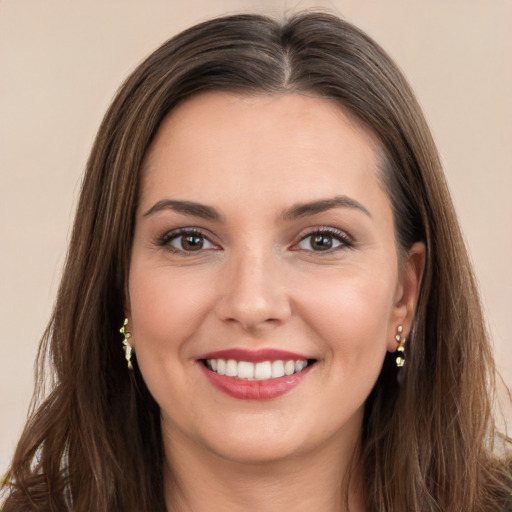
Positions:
{"x": 345, "y": 241}
{"x": 166, "y": 239}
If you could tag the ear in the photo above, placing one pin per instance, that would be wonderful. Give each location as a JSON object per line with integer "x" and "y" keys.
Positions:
{"x": 407, "y": 293}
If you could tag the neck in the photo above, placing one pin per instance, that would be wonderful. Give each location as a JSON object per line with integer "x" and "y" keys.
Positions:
{"x": 199, "y": 482}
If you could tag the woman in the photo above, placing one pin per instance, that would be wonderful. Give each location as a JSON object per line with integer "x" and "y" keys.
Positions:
{"x": 265, "y": 219}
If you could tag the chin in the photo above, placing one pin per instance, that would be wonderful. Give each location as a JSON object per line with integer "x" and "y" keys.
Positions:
{"x": 259, "y": 451}
{"x": 263, "y": 439}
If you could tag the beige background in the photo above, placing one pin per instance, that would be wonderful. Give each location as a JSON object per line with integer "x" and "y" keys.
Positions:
{"x": 61, "y": 61}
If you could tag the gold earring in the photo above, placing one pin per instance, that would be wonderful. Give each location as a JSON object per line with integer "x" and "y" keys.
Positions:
{"x": 400, "y": 359}
{"x": 126, "y": 344}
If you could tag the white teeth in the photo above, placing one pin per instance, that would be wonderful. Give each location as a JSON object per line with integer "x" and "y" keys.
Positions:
{"x": 289, "y": 367}
{"x": 221, "y": 366}
{"x": 264, "y": 370}
{"x": 300, "y": 365}
{"x": 231, "y": 368}
{"x": 277, "y": 369}
{"x": 245, "y": 370}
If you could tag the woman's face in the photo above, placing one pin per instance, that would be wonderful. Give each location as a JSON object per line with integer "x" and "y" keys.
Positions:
{"x": 264, "y": 285}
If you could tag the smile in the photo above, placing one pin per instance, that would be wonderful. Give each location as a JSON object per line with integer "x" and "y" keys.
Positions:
{"x": 255, "y": 374}
{"x": 265, "y": 370}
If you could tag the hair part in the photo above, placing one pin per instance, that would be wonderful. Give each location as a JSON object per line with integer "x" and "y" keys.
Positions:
{"x": 95, "y": 442}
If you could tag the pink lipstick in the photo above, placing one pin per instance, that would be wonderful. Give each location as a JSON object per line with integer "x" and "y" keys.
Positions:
{"x": 255, "y": 375}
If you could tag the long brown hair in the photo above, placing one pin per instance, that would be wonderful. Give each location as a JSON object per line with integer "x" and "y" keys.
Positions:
{"x": 94, "y": 441}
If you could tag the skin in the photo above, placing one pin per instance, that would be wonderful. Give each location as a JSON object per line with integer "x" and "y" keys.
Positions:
{"x": 258, "y": 282}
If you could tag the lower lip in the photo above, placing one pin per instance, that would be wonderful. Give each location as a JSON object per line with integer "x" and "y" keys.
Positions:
{"x": 255, "y": 389}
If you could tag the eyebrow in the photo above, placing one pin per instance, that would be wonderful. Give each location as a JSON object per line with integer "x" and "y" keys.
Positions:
{"x": 295, "y": 212}
{"x": 186, "y": 207}
{"x": 312, "y": 208}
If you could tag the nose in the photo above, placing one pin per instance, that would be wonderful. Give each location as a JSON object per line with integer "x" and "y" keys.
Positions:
{"x": 254, "y": 293}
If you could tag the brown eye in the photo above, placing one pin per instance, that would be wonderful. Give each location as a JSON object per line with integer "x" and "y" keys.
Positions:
{"x": 321, "y": 242}
{"x": 187, "y": 242}
{"x": 191, "y": 242}
{"x": 324, "y": 240}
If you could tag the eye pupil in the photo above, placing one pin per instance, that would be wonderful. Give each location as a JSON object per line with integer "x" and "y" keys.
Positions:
{"x": 321, "y": 242}
{"x": 192, "y": 242}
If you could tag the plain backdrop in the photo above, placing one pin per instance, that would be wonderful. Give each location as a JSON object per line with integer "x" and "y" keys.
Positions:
{"x": 61, "y": 62}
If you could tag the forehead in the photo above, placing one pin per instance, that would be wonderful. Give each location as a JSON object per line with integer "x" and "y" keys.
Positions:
{"x": 285, "y": 145}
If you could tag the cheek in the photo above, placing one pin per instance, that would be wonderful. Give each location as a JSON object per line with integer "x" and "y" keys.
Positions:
{"x": 166, "y": 310}
{"x": 351, "y": 314}
{"x": 351, "y": 320}
{"x": 166, "y": 307}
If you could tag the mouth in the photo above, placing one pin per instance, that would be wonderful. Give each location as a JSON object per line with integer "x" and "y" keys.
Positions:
{"x": 256, "y": 371}
{"x": 255, "y": 375}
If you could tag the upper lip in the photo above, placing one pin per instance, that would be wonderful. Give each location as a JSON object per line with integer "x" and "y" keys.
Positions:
{"x": 255, "y": 356}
